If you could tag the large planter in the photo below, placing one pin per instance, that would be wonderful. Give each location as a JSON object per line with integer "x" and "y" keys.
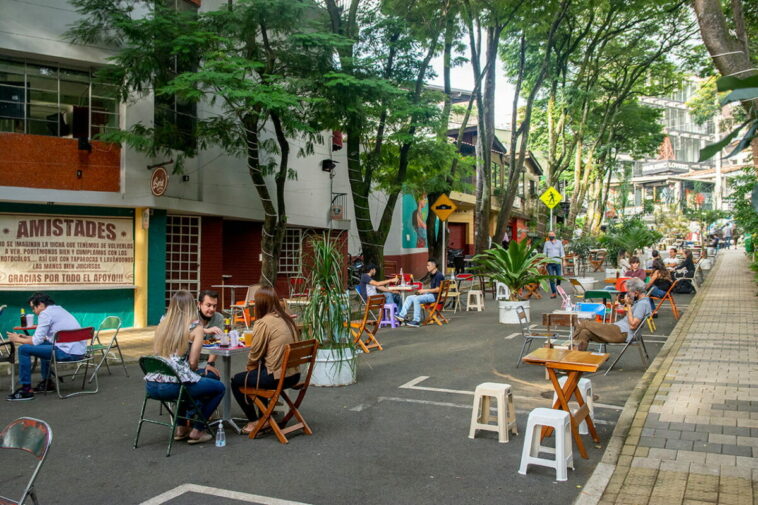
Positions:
{"x": 588, "y": 283}
{"x": 508, "y": 314}
{"x": 334, "y": 368}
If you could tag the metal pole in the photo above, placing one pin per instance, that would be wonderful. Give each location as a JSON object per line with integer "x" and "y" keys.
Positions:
{"x": 551, "y": 219}
{"x": 444, "y": 248}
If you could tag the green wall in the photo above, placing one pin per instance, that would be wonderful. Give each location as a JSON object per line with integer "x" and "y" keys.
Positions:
{"x": 156, "y": 268}
{"x": 90, "y": 307}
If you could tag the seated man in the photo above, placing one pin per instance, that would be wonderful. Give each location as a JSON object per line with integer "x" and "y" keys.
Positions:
{"x": 635, "y": 270}
{"x": 424, "y": 295}
{"x": 213, "y": 324}
{"x": 671, "y": 261}
{"x": 622, "y": 330}
{"x": 51, "y": 319}
{"x": 369, "y": 286}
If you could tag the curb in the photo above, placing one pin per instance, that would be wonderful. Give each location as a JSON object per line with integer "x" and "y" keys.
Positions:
{"x": 643, "y": 394}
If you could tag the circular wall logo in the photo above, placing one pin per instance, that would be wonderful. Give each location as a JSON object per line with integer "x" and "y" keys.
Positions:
{"x": 159, "y": 182}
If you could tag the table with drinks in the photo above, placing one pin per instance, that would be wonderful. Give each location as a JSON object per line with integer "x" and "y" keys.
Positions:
{"x": 229, "y": 344}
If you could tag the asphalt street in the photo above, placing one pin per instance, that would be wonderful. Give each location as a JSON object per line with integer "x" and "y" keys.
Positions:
{"x": 398, "y": 436}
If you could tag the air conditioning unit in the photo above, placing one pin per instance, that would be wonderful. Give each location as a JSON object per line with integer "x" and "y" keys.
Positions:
{"x": 336, "y": 213}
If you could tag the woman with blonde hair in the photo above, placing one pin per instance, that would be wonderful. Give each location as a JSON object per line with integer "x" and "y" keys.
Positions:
{"x": 179, "y": 340}
{"x": 273, "y": 330}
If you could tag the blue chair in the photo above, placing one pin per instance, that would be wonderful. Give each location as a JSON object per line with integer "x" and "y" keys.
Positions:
{"x": 598, "y": 309}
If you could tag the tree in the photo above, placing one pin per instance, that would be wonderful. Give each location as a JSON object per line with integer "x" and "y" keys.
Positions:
{"x": 253, "y": 66}
{"x": 377, "y": 96}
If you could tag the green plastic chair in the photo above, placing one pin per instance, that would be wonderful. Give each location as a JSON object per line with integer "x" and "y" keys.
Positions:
{"x": 29, "y": 435}
{"x": 155, "y": 364}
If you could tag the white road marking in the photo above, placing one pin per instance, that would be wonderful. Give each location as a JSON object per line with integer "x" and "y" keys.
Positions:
{"x": 214, "y": 491}
{"x": 513, "y": 335}
{"x": 460, "y": 406}
{"x": 413, "y": 385}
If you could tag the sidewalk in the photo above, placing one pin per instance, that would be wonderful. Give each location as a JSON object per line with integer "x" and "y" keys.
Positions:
{"x": 689, "y": 432}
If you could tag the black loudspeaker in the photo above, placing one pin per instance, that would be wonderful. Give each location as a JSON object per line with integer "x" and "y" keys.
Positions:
{"x": 328, "y": 165}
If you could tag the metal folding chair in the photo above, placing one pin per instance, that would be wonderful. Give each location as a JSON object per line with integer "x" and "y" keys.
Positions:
{"x": 528, "y": 334}
{"x": 155, "y": 364}
{"x": 8, "y": 355}
{"x": 109, "y": 323}
{"x": 28, "y": 435}
{"x": 578, "y": 288}
{"x": 70, "y": 336}
{"x": 636, "y": 339}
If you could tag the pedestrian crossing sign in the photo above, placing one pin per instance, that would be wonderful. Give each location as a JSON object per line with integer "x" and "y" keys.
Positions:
{"x": 551, "y": 197}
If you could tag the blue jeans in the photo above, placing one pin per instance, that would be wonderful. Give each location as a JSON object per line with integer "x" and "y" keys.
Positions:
{"x": 207, "y": 393}
{"x": 416, "y": 301}
{"x": 44, "y": 352}
{"x": 554, "y": 269}
{"x": 392, "y": 298}
{"x": 656, "y": 292}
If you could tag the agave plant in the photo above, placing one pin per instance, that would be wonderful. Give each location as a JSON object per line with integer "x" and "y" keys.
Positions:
{"x": 515, "y": 267}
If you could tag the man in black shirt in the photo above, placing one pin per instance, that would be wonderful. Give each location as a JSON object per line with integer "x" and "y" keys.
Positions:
{"x": 370, "y": 287}
{"x": 428, "y": 295}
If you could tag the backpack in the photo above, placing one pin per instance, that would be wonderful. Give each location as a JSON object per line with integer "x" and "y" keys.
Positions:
{"x": 684, "y": 287}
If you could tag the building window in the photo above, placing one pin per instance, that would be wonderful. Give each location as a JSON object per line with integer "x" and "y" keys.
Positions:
{"x": 183, "y": 235}
{"x": 290, "y": 257}
{"x": 48, "y": 99}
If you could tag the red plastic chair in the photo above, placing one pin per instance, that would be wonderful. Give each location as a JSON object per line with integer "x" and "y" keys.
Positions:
{"x": 28, "y": 435}
{"x": 621, "y": 283}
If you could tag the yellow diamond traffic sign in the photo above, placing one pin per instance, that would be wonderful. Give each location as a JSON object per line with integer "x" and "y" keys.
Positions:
{"x": 443, "y": 207}
{"x": 551, "y": 197}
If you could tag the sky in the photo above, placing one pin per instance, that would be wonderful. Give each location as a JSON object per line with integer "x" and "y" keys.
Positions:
{"x": 461, "y": 77}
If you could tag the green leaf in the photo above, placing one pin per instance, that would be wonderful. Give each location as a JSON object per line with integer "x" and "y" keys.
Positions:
{"x": 740, "y": 94}
{"x": 711, "y": 150}
{"x": 729, "y": 83}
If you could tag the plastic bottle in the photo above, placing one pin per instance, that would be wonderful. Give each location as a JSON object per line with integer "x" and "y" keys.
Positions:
{"x": 23, "y": 317}
{"x": 402, "y": 278}
{"x": 220, "y": 436}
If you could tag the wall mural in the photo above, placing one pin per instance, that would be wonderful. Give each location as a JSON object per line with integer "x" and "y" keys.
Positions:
{"x": 414, "y": 221}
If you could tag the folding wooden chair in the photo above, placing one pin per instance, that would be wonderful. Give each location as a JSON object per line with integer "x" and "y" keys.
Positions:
{"x": 453, "y": 297}
{"x": 578, "y": 288}
{"x": 528, "y": 334}
{"x": 669, "y": 297}
{"x": 531, "y": 290}
{"x": 369, "y": 324}
{"x": 434, "y": 309}
{"x": 597, "y": 261}
{"x": 636, "y": 339}
{"x": 569, "y": 264}
{"x": 295, "y": 355}
{"x": 70, "y": 336}
{"x": 241, "y": 310}
{"x": 32, "y": 436}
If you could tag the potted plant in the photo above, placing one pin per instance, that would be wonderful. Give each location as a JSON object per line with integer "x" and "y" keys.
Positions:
{"x": 516, "y": 267}
{"x": 327, "y": 315}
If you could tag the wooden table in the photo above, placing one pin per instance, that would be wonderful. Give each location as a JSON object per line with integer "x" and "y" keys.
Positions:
{"x": 575, "y": 363}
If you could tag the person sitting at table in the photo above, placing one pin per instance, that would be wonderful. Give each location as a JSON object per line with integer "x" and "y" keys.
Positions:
{"x": 369, "y": 287}
{"x": 427, "y": 295}
{"x": 273, "y": 330}
{"x": 623, "y": 261}
{"x": 51, "y": 319}
{"x": 671, "y": 260}
{"x": 660, "y": 282}
{"x": 686, "y": 268}
{"x": 637, "y": 308}
{"x": 212, "y": 323}
{"x": 635, "y": 270}
{"x": 179, "y": 340}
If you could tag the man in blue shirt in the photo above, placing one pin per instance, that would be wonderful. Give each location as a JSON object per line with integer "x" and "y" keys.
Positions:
{"x": 370, "y": 287}
{"x": 51, "y": 319}
{"x": 553, "y": 249}
{"x": 428, "y": 295}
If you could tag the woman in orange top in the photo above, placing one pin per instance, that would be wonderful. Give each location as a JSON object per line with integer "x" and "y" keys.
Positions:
{"x": 272, "y": 331}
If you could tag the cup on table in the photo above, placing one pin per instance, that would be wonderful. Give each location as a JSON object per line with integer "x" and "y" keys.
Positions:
{"x": 248, "y": 337}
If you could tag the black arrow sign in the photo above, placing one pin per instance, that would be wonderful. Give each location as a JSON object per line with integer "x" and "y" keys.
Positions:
{"x": 443, "y": 206}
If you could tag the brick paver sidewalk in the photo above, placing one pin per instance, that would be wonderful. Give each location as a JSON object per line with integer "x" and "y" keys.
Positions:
{"x": 689, "y": 434}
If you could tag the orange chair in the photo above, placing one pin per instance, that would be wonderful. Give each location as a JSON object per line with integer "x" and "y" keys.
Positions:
{"x": 240, "y": 310}
{"x": 369, "y": 324}
{"x": 434, "y": 309}
{"x": 668, "y": 297}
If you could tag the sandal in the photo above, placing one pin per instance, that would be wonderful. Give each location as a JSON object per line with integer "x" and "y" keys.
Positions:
{"x": 205, "y": 437}
{"x": 181, "y": 435}
{"x": 247, "y": 432}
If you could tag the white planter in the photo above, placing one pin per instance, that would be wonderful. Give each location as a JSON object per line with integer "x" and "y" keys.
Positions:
{"x": 612, "y": 272}
{"x": 508, "y": 313}
{"x": 331, "y": 369}
{"x": 588, "y": 283}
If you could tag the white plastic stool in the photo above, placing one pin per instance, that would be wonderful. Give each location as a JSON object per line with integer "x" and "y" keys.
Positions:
{"x": 585, "y": 388}
{"x": 478, "y": 302}
{"x": 506, "y": 413}
{"x": 502, "y": 291}
{"x": 564, "y": 457}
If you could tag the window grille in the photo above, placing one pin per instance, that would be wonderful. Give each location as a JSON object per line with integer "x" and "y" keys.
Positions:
{"x": 290, "y": 258}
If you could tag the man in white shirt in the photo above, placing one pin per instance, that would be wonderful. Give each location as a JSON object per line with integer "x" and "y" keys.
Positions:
{"x": 553, "y": 249}
{"x": 51, "y": 319}
{"x": 671, "y": 261}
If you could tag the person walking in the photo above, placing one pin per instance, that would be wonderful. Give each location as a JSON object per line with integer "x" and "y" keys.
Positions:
{"x": 553, "y": 248}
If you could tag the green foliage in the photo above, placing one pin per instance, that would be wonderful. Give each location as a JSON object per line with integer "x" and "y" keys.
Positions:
{"x": 648, "y": 206}
{"x": 739, "y": 90}
{"x": 703, "y": 105}
{"x": 628, "y": 234}
{"x": 515, "y": 267}
{"x": 327, "y": 315}
{"x": 581, "y": 245}
{"x": 743, "y": 213}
